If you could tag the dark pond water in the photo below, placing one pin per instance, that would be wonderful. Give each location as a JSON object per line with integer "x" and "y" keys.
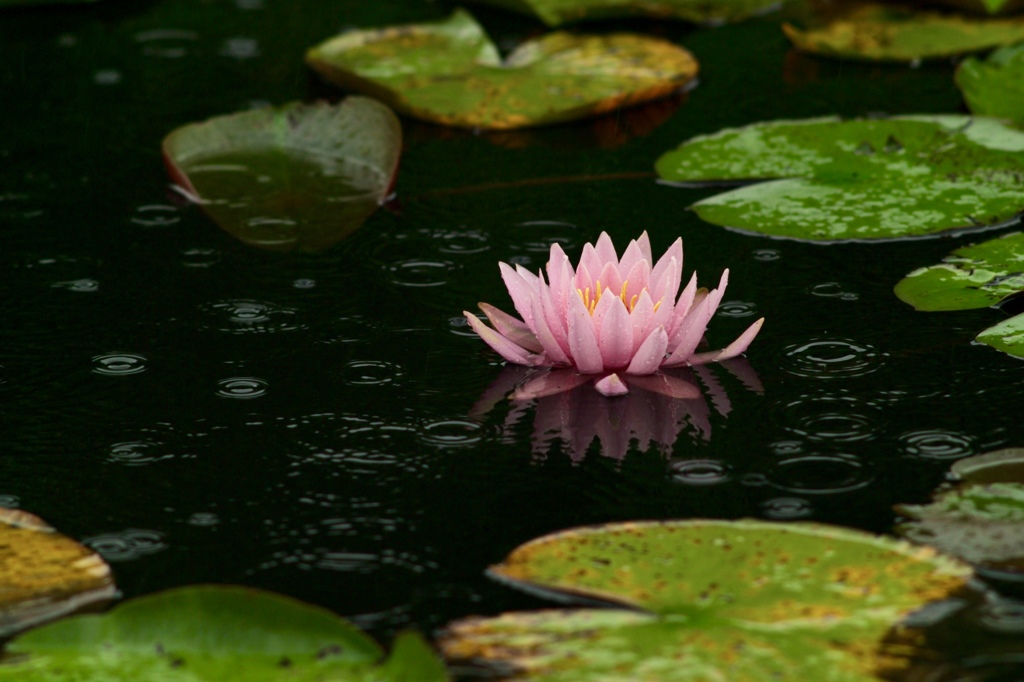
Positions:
{"x": 201, "y": 411}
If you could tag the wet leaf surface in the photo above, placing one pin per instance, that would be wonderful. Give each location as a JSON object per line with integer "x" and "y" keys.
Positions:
{"x": 825, "y": 179}
{"x": 1007, "y": 336}
{"x": 296, "y": 177}
{"x": 744, "y": 600}
{"x": 994, "y": 86}
{"x": 981, "y": 523}
{"x": 557, "y": 12}
{"x": 214, "y": 633}
{"x": 449, "y": 72}
{"x": 998, "y": 466}
{"x": 975, "y": 276}
{"x": 898, "y": 33}
{"x": 45, "y": 575}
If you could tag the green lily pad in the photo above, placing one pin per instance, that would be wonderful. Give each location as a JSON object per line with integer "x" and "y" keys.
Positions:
{"x": 708, "y": 600}
{"x": 981, "y": 523}
{"x": 878, "y": 32}
{"x": 1007, "y": 336}
{"x": 449, "y": 72}
{"x": 994, "y": 86}
{"x": 45, "y": 575}
{"x": 295, "y": 177}
{"x": 989, "y": 7}
{"x": 213, "y": 633}
{"x": 557, "y": 12}
{"x": 824, "y": 179}
{"x": 998, "y": 466}
{"x": 976, "y": 276}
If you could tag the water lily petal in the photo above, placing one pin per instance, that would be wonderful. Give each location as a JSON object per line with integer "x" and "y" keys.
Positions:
{"x": 586, "y": 354}
{"x": 615, "y": 334}
{"x": 520, "y": 291}
{"x": 637, "y": 279}
{"x": 545, "y": 336}
{"x": 664, "y": 265}
{"x": 735, "y": 348}
{"x": 610, "y": 279}
{"x": 691, "y": 331}
{"x": 611, "y": 385}
{"x": 583, "y": 280}
{"x": 589, "y": 263}
{"x": 631, "y": 256}
{"x": 606, "y": 250}
{"x": 556, "y": 322}
{"x": 560, "y": 277}
{"x": 644, "y": 242}
{"x": 651, "y": 354}
{"x": 501, "y": 345}
{"x": 641, "y": 316}
{"x": 512, "y": 329}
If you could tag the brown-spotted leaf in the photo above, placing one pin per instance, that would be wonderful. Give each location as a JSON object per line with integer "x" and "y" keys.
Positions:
{"x": 449, "y": 72}
{"x": 709, "y": 600}
{"x": 43, "y": 574}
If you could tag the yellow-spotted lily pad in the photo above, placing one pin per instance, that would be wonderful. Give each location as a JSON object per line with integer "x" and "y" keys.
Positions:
{"x": 825, "y": 179}
{"x": 295, "y": 177}
{"x": 212, "y": 633}
{"x": 995, "y": 86}
{"x": 557, "y": 12}
{"x": 879, "y": 32}
{"x": 708, "y": 600}
{"x": 449, "y": 72}
{"x": 45, "y": 575}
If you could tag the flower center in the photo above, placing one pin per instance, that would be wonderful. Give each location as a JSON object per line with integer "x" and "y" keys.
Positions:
{"x": 591, "y": 303}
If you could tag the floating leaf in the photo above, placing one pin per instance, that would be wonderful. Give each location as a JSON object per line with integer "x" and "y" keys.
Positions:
{"x": 1007, "y": 336}
{"x": 450, "y": 73}
{"x": 886, "y": 32}
{"x": 994, "y": 86}
{"x": 981, "y": 523}
{"x": 998, "y": 466}
{"x": 299, "y": 176}
{"x": 858, "y": 179}
{"x": 45, "y": 574}
{"x": 976, "y": 276}
{"x": 557, "y": 12}
{"x": 214, "y": 633}
{"x": 746, "y": 600}
{"x": 991, "y": 7}
{"x": 899, "y": 33}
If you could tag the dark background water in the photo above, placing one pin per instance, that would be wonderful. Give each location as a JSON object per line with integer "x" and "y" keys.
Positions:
{"x": 202, "y": 411}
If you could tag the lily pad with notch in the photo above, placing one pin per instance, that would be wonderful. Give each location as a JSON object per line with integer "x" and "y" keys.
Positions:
{"x": 301, "y": 176}
{"x": 890, "y": 32}
{"x": 45, "y": 575}
{"x": 826, "y": 179}
{"x": 700, "y": 599}
{"x": 449, "y": 72}
{"x": 557, "y": 12}
{"x": 994, "y": 86}
{"x": 213, "y": 633}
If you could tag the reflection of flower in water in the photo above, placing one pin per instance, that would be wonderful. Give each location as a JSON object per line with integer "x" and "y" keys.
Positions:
{"x": 608, "y": 318}
{"x": 657, "y": 409}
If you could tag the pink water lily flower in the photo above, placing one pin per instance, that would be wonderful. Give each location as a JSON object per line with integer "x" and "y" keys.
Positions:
{"x": 609, "y": 316}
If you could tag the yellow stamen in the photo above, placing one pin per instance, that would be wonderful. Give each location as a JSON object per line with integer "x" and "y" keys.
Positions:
{"x": 632, "y": 302}
{"x": 656, "y": 306}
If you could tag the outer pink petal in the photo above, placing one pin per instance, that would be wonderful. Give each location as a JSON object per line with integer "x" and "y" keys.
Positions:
{"x": 520, "y": 291}
{"x": 606, "y": 250}
{"x": 615, "y": 335}
{"x": 555, "y": 319}
{"x": 735, "y": 348}
{"x": 544, "y": 335}
{"x": 665, "y": 264}
{"x": 560, "y": 277}
{"x": 504, "y": 347}
{"x": 641, "y": 316}
{"x": 611, "y": 385}
{"x": 651, "y": 354}
{"x": 690, "y": 333}
{"x": 586, "y": 354}
{"x": 512, "y": 329}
